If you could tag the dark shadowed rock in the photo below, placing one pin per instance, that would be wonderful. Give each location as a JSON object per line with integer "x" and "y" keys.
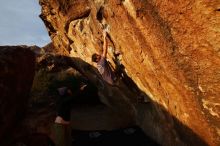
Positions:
{"x": 17, "y": 65}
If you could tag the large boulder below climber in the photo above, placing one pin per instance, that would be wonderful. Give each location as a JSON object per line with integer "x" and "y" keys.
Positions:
{"x": 170, "y": 49}
{"x": 16, "y": 76}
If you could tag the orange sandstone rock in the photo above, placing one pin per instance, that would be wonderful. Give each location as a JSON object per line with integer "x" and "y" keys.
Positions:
{"x": 169, "y": 48}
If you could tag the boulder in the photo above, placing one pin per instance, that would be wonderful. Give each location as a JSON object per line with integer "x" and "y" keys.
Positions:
{"x": 169, "y": 49}
{"x": 16, "y": 76}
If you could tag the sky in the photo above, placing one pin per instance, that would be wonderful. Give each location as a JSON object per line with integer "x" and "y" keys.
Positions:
{"x": 20, "y": 23}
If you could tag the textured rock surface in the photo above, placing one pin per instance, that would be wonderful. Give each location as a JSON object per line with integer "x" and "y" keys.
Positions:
{"x": 169, "y": 48}
{"x": 16, "y": 76}
{"x": 88, "y": 113}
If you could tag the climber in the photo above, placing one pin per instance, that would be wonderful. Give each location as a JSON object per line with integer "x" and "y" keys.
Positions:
{"x": 103, "y": 65}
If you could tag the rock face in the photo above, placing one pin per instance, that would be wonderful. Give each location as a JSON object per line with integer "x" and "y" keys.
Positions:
{"x": 16, "y": 76}
{"x": 170, "y": 49}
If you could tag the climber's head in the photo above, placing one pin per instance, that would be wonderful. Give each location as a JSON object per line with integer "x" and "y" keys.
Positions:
{"x": 96, "y": 57}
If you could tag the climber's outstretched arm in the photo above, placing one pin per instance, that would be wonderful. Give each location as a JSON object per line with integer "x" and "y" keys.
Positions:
{"x": 105, "y": 45}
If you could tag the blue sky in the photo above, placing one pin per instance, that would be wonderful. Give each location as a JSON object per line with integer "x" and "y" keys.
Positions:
{"x": 20, "y": 23}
